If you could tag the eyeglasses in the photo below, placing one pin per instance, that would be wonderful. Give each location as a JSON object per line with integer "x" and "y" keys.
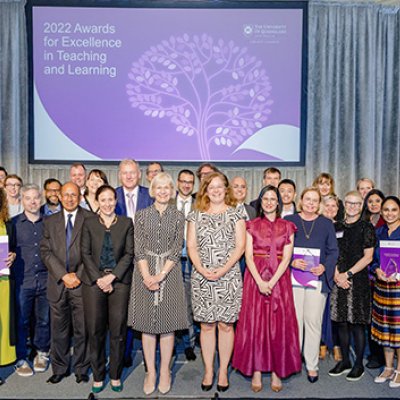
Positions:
{"x": 13, "y": 185}
{"x": 351, "y": 204}
{"x": 186, "y": 182}
{"x": 267, "y": 200}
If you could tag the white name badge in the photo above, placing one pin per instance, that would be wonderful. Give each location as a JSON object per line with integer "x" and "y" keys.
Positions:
{"x": 339, "y": 235}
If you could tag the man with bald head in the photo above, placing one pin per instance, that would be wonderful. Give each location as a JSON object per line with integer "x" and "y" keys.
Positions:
{"x": 61, "y": 253}
{"x": 239, "y": 187}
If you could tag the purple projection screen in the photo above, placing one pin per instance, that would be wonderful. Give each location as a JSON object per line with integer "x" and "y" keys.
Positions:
{"x": 168, "y": 84}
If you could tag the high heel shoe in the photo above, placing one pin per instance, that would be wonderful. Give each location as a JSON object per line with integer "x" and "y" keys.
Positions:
{"x": 276, "y": 383}
{"x": 276, "y": 388}
{"x": 97, "y": 388}
{"x": 148, "y": 387}
{"x": 222, "y": 388}
{"x": 164, "y": 389}
{"x": 117, "y": 388}
{"x": 256, "y": 388}
{"x": 207, "y": 388}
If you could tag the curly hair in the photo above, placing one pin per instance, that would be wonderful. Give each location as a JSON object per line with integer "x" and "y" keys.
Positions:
{"x": 4, "y": 216}
{"x": 203, "y": 201}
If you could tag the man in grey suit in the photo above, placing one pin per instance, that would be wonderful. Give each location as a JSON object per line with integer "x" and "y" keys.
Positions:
{"x": 239, "y": 188}
{"x": 61, "y": 253}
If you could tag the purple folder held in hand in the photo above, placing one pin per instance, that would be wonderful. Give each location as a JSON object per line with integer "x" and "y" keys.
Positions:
{"x": 389, "y": 251}
{"x": 312, "y": 258}
{"x": 4, "y": 270}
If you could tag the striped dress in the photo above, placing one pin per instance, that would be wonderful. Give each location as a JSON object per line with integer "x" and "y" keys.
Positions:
{"x": 385, "y": 328}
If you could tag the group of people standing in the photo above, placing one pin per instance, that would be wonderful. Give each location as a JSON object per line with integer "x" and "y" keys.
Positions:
{"x": 161, "y": 260}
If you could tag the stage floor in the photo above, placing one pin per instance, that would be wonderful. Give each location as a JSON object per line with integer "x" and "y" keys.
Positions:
{"x": 186, "y": 385}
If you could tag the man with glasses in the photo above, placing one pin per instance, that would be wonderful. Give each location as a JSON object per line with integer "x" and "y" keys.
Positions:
{"x": 61, "y": 253}
{"x": 184, "y": 203}
{"x": 52, "y": 188}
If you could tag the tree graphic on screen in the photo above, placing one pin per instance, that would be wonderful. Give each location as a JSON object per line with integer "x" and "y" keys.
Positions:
{"x": 212, "y": 90}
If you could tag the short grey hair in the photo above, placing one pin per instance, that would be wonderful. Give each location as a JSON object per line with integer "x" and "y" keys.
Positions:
{"x": 30, "y": 186}
{"x": 162, "y": 177}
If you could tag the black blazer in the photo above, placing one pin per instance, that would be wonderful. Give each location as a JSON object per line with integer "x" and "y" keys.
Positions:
{"x": 54, "y": 253}
{"x": 92, "y": 244}
{"x": 251, "y": 212}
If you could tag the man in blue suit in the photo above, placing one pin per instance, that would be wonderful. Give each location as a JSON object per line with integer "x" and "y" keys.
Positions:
{"x": 130, "y": 198}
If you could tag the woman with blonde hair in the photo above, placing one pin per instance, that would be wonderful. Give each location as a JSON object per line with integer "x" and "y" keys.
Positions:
{"x": 216, "y": 241}
{"x": 350, "y": 297}
{"x": 158, "y": 303}
{"x": 314, "y": 233}
{"x": 326, "y": 186}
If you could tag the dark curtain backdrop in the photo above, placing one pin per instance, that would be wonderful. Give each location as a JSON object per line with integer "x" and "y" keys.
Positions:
{"x": 353, "y": 127}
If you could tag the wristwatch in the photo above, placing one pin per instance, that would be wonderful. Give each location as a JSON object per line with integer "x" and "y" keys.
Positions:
{"x": 350, "y": 275}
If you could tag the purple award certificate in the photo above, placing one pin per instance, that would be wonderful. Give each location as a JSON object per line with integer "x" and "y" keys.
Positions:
{"x": 389, "y": 251}
{"x": 4, "y": 270}
{"x": 312, "y": 258}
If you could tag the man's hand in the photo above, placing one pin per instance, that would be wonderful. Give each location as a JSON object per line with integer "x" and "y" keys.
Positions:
{"x": 71, "y": 281}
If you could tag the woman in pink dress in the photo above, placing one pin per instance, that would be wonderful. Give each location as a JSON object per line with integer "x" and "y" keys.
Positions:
{"x": 267, "y": 334}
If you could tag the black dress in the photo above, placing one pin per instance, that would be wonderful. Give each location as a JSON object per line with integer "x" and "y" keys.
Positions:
{"x": 354, "y": 304}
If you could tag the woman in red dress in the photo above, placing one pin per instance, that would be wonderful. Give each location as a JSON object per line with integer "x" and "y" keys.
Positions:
{"x": 267, "y": 334}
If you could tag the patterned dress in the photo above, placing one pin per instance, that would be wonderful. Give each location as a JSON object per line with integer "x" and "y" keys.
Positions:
{"x": 385, "y": 327}
{"x": 219, "y": 300}
{"x": 158, "y": 237}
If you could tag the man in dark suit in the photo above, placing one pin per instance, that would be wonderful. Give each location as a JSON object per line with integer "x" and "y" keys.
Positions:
{"x": 239, "y": 187}
{"x": 61, "y": 253}
{"x": 271, "y": 176}
{"x": 184, "y": 202}
{"x": 130, "y": 196}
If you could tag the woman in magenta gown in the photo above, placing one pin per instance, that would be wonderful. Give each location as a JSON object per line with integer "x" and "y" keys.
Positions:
{"x": 267, "y": 334}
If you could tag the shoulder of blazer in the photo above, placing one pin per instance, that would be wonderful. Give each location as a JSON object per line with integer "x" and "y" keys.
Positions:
{"x": 54, "y": 218}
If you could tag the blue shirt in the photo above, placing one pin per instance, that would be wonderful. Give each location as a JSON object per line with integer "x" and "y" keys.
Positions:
{"x": 29, "y": 270}
{"x": 45, "y": 210}
{"x": 322, "y": 237}
{"x": 382, "y": 233}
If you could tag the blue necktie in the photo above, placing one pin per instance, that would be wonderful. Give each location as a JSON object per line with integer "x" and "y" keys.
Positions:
{"x": 68, "y": 232}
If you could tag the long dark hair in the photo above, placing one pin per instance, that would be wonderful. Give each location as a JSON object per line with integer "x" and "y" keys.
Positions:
{"x": 366, "y": 214}
{"x": 265, "y": 189}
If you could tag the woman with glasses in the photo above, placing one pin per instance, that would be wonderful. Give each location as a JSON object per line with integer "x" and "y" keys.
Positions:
{"x": 315, "y": 235}
{"x": 266, "y": 333}
{"x": 350, "y": 297}
{"x": 216, "y": 241}
{"x": 12, "y": 185}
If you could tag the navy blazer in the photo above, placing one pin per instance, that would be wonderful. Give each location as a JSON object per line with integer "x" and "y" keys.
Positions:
{"x": 144, "y": 200}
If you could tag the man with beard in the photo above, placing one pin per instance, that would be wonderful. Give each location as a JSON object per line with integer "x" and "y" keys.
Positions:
{"x": 52, "y": 189}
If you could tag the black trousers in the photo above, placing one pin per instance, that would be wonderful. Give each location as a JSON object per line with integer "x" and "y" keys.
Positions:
{"x": 65, "y": 314}
{"x": 106, "y": 312}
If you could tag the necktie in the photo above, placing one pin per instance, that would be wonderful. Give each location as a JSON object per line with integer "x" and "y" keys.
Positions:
{"x": 183, "y": 207}
{"x": 68, "y": 234}
{"x": 131, "y": 203}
